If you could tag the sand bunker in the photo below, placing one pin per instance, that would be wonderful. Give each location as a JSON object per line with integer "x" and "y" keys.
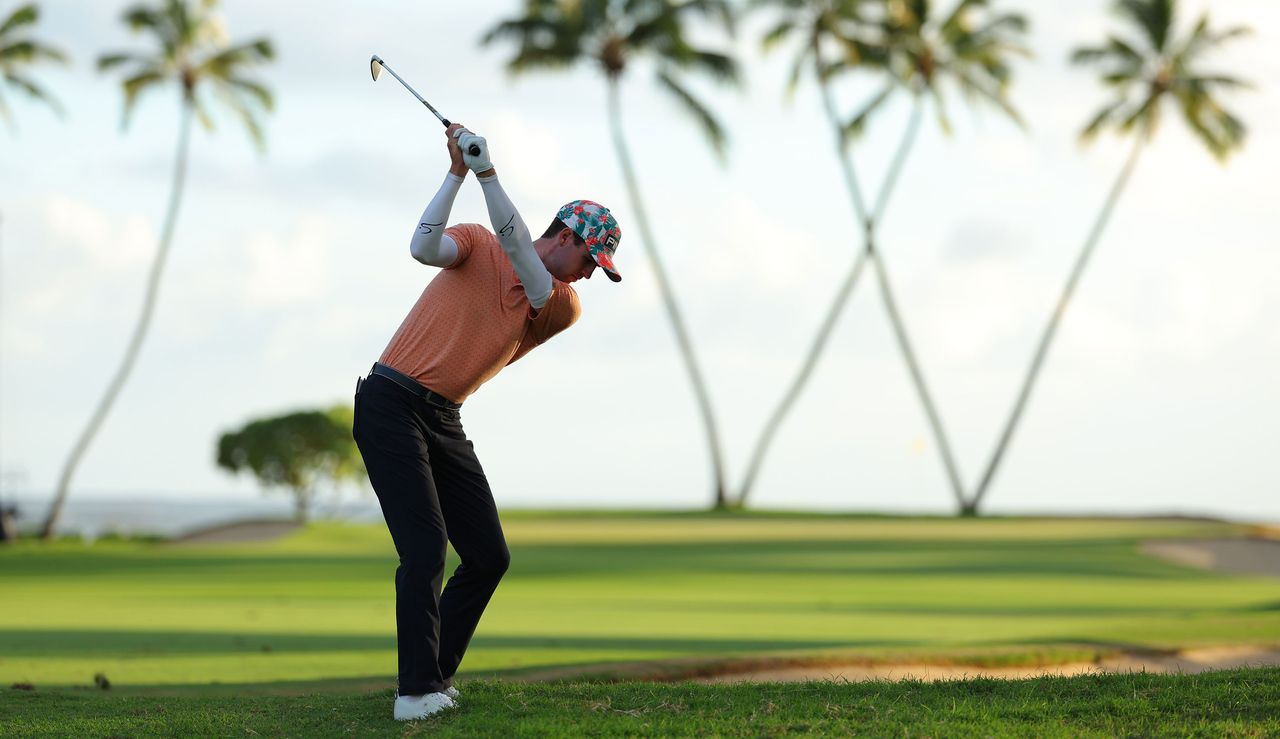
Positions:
{"x": 1187, "y": 662}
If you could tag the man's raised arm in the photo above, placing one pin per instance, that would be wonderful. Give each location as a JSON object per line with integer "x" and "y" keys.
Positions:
{"x": 429, "y": 245}
{"x": 513, "y": 235}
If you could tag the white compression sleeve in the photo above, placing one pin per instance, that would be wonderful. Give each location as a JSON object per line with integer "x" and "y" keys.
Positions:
{"x": 429, "y": 245}
{"x": 515, "y": 240}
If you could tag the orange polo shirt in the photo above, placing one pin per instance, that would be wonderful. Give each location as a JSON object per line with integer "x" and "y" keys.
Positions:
{"x": 473, "y": 319}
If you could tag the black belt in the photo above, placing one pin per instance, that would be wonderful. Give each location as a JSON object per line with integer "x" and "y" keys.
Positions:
{"x": 413, "y": 386}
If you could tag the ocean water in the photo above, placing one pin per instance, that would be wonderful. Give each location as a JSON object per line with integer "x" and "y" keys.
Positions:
{"x": 95, "y": 517}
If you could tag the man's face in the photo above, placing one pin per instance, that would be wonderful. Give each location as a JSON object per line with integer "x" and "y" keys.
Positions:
{"x": 569, "y": 261}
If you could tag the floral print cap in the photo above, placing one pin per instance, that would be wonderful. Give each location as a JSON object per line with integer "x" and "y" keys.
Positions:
{"x": 597, "y": 226}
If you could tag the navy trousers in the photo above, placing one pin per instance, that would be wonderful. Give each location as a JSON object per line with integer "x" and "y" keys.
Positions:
{"x": 432, "y": 490}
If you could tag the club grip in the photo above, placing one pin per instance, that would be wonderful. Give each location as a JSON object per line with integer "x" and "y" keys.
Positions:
{"x": 473, "y": 150}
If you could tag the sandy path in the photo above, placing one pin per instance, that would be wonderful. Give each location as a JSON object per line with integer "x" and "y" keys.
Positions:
{"x": 239, "y": 531}
{"x": 1239, "y": 556}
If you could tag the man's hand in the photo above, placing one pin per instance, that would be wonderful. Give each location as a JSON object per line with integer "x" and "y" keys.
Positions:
{"x": 457, "y": 165}
{"x": 478, "y": 161}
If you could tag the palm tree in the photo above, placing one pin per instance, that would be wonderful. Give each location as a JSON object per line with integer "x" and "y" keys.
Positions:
{"x": 1144, "y": 67}
{"x": 17, "y": 53}
{"x": 195, "y": 53}
{"x": 557, "y": 34}
{"x": 917, "y": 53}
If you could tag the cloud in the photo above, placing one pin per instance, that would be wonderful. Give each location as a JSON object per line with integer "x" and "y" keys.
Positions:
{"x": 66, "y": 259}
{"x": 290, "y": 269}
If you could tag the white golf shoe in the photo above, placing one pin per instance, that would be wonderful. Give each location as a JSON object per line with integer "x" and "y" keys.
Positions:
{"x": 414, "y": 707}
{"x": 452, "y": 692}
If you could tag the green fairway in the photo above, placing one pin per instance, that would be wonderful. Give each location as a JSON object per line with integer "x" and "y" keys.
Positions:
{"x": 318, "y": 607}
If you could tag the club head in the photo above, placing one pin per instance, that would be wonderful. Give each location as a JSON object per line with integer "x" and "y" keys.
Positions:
{"x": 375, "y": 66}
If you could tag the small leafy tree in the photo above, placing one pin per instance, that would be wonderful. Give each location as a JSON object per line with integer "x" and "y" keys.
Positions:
{"x": 297, "y": 451}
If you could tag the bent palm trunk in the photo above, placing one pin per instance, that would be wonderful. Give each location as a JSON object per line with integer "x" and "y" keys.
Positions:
{"x": 668, "y": 298}
{"x": 895, "y": 317}
{"x": 917, "y": 377}
{"x": 1052, "y": 328}
{"x": 139, "y": 332}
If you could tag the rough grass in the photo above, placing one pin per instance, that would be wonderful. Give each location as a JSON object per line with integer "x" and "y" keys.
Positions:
{"x": 1235, "y": 703}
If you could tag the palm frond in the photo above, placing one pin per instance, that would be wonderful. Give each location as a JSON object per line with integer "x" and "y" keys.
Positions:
{"x": 1147, "y": 115}
{"x": 24, "y": 16}
{"x": 35, "y": 91}
{"x": 1202, "y": 39}
{"x": 1154, "y": 17}
{"x": 1121, "y": 77}
{"x": 858, "y": 123}
{"x": 518, "y": 29}
{"x": 719, "y": 67}
{"x": 142, "y": 18}
{"x": 542, "y": 43}
{"x": 798, "y": 67}
{"x": 1117, "y": 51}
{"x": 224, "y": 63}
{"x": 135, "y": 85}
{"x": 710, "y": 127}
{"x": 976, "y": 88}
{"x": 957, "y": 23}
{"x": 776, "y": 34}
{"x": 1100, "y": 120}
{"x": 1207, "y": 81}
{"x": 940, "y": 109}
{"x": 228, "y": 92}
{"x": 718, "y": 10}
{"x": 201, "y": 113}
{"x": 255, "y": 90}
{"x": 29, "y": 52}
{"x": 1221, "y": 132}
{"x": 107, "y": 62}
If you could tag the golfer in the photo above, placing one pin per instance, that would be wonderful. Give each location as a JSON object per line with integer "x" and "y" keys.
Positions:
{"x": 498, "y": 295}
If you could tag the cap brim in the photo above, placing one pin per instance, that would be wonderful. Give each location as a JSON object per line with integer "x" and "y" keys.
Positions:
{"x": 606, "y": 264}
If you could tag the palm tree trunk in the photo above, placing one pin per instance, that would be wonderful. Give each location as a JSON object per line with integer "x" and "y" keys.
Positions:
{"x": 793, "y": 392}
{"x": 668, "y": 298}
{"x": 833, "y": 313}
{"x": 917, "y": 376}
{"x": 139, "y": 333}
{"x": 971, "y": 509}
{"x": 895, "y": 317}
{"x": 846, "y": 288}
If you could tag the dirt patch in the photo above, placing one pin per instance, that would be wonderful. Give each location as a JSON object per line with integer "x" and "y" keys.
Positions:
{"x": 239, "y": 531}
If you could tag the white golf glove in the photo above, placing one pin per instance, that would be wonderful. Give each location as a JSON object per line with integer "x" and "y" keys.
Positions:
{"x": 475, "y": 162}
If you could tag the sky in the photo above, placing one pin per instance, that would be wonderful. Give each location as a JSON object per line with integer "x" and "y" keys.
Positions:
{"x": 290, "y": 271}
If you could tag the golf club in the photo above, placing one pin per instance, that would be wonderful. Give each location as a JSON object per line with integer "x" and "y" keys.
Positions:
{"x": 376, "y": 65}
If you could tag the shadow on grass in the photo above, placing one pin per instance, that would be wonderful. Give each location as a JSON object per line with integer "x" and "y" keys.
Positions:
{"x": 113, "y": 643}
{"x": 1098, "y": 559}
{"x": 109, "y": 643}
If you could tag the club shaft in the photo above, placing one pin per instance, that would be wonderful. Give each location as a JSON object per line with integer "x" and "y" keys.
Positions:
{"x": 443, "y": 120}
